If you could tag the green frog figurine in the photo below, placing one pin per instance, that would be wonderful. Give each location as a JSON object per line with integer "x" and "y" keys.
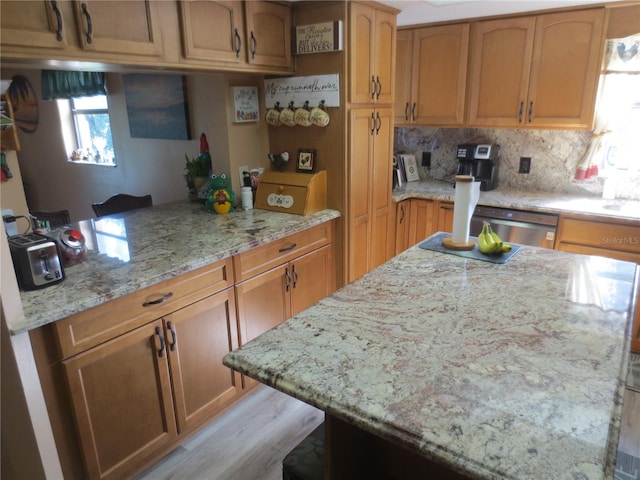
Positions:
{"x": 221, "y": 198}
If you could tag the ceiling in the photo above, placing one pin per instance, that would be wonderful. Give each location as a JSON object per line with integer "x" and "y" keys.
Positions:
{"x": 414, "y": 12}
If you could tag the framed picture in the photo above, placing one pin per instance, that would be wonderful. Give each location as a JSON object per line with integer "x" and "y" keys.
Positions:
{"x": 306, "y": 161}
{"x": 157, "y": 106}
{"x": 245, "y": 102}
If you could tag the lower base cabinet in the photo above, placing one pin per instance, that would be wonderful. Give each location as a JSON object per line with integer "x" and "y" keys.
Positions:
{"x": 418, "y": 218}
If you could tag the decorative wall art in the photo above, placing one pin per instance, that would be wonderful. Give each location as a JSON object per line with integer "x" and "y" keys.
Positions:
{"x": 313, "y": 89}
{"x": 306, "y": 161}
{"x": 245, "y": 101}
{"x": 157, "y": 106}
{"x": 319, "y": 37}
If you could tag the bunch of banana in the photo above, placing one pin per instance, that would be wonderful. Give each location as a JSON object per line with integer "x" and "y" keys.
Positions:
{"x": 489, "y": 242}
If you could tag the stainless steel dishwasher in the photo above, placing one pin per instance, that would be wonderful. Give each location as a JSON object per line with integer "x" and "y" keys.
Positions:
{"x": 517, "y": 226}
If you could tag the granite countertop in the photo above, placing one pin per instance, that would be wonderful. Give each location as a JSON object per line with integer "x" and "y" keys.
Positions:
{"x": 137, "y": 249}
{"x": 525, "y": 200}
{"x": 512, "y": 371}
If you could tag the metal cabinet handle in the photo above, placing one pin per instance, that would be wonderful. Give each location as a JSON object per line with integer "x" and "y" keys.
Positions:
{"x": 530, "y": 111}
{"x": 160, "y": 300}
{"x": 446, "y": 207}
{"x": 287, "y": 279}
{"x": 373, "y": 123}
{"x": 413, "y": 112}
{"x": 406, "y": 111}
{"x": 254, "y": 45}
{"x": 295, "y": 275}
{"x": 161, "y": 337}
{"x": 520, "y": 112}
{"x": 378, "y": 123}
{"x": 56, "y": 10}
{"x": 174, "y": 338}
{"x": 238, "y": 43}
{"x": 401, "y": 214}
{"x": 85, "y": 11}
{"x": 379, "y": 87}
{"x": 373, "y": 87}
{"x": 288, "y": 249}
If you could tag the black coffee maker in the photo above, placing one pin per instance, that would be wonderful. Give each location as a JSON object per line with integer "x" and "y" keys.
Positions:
{"x": 480, "y": 161}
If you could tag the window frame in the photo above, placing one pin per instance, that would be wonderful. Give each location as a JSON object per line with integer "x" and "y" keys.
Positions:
{"x": 75, "y": 112}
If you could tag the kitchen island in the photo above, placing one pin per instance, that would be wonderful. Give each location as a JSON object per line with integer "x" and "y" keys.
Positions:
{"x": 489, "y": 370}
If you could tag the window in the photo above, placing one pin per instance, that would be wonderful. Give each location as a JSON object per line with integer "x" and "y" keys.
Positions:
{"x": 93, "y": 140}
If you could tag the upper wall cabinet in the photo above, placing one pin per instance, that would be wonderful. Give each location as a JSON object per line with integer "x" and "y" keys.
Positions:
{"x": 81, "y": 30}
{"x": 215, "y": 31}
{"x": 32, "y": 24}
{"x": 539, "y": 71}
{"x": 129, "y": 27}
{"x": 431, "y": 75}
{"x": 371, "y": 49}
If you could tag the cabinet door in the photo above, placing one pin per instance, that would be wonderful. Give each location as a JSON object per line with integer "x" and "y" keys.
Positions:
{"x": 268, "y": 34}
{"x": 213, "y": 30}
{"x": 121, "y": 399}
{"x": 198, "y": 336}
{"x": 131, "y": 27}
{"x": 382, "y": 214}
{"x": 32, "y": 24}
{"x": 500, "y": 66}
{"x": 361, "y": 128}
{"x": 312, "y": 278}
{"x": 384, "y": 56}
{"x": 565, "y": 68}
{"x": 361, "y": 46}
{"x": 263, "y": 302}
{"x": 402, "y": 102}
{"x": 445, "y": 217}
{"x": 402, "y": 225}
{"x": 423, "y": 220}
{"x": 440, "y": 74}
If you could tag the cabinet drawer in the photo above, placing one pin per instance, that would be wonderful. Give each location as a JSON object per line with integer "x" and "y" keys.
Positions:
{"x": 603, "y": 235}
{"x": 89, "y": 328}
{"x": 261, "y": 259}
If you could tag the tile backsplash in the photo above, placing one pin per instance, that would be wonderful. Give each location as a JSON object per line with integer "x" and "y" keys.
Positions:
{"x": 554, "y": 154}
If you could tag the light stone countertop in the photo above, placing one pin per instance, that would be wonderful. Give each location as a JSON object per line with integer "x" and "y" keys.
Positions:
{"x": 137, "y": 249}
{"x": 526, "y": 200}
{"x": 512, "y": 371}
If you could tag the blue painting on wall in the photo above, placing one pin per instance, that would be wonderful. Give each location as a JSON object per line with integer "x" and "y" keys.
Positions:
{"x": 157, "y": 106}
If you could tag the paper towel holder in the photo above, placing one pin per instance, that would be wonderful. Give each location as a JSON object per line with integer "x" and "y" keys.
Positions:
{"x": 448, "y": 242}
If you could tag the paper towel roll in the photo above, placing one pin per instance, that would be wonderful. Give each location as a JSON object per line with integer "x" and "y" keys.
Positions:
{"x": 465, "y": 200}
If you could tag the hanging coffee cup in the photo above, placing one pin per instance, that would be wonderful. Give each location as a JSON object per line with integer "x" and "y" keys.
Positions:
{"x": 302, "y": 115}
{"x": 287, "y": 116}
{"x": 273, "y": 115}
{"x": 319, "y": 116}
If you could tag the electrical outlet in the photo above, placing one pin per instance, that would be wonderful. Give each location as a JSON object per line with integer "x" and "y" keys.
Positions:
{"x": 525, "y": 165}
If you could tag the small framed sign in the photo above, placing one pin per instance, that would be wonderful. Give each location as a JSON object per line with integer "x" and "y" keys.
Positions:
{"x": 319, "y": 37}
{"x": 306, "y": 161}
{"x": 245, "y": 101}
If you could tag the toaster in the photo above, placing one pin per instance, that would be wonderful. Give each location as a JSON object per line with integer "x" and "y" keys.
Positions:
{"x": 36, "y": 260}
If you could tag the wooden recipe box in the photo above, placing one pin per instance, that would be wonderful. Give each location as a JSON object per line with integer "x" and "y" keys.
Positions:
{"x": 299, "y": 193}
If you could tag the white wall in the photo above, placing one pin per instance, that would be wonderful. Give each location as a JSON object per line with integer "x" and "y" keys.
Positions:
{"x": 144, "y": 166}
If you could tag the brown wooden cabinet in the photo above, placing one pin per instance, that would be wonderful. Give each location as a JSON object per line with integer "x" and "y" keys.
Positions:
{"x": 37, "y": 25}
{"x": 431, "y": 75}
{"x": 418, "y": 218}
{"x": 215, "y": 31}
{"x": 536, "y": 71}
{"x": 604, "y": 237}
{"x": 371, "y": 54}
{"x": 147, "y": 368}
{"x": 445, "y": 216}
{"x": 371, "y": 215}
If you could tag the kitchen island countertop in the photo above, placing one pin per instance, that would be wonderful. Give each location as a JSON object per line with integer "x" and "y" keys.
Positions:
{"x": 512, "y": 371}
{"x": 527, "y": 200}
{"x": 137, "y": 249}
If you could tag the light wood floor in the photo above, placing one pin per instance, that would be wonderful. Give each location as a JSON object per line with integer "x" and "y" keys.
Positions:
{"x": 250, "y": 441}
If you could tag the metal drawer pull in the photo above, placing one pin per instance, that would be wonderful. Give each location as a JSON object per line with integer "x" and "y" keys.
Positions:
{"x": 287, "y": 277}
{"x": 378, "y": 88}
{"x": 287, "y": 249}
{"x": 238, "y": 43}
{"x": 54, "y": 5}
{"x": 85, "y": 10}
{"x": 520, "y": 112}
{"x": 254, "y": 45}
{"x": 174, "y": 340}
{"x": 373, "y": 87}
{"x": 406, "y": 111}
{"x": 378, "y": 123}
{"x": 160, "y": 300}
{"x": 295, "y": 276}
{"x": 530, "y": 111}
{"x": 413, "y": 112}
{"x": 161, "y": 337}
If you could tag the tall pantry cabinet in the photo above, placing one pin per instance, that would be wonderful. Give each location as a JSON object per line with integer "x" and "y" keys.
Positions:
{"x": 370, "y": 212}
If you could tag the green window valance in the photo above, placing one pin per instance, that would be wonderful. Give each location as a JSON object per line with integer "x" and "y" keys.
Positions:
{"x": 67, "y": 84}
